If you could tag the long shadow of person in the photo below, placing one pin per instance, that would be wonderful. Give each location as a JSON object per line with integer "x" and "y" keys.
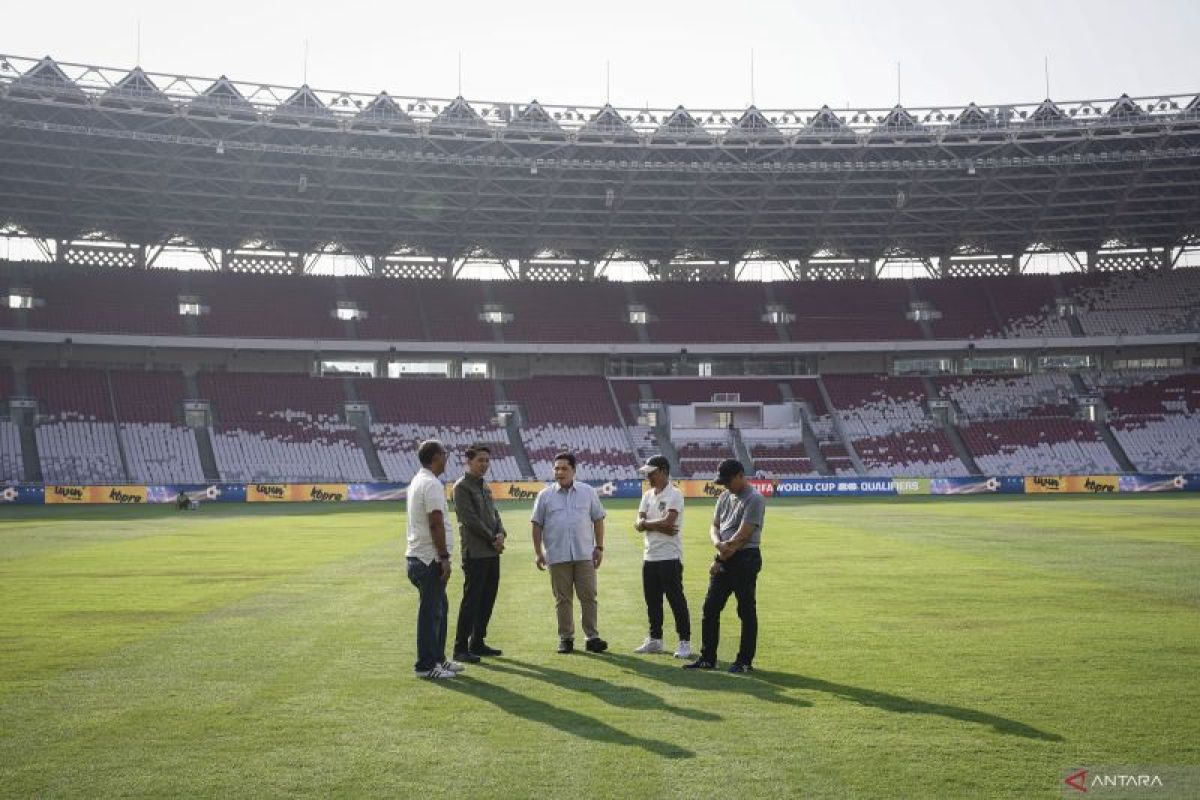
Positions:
{"x": 671, "y": 673}
{"x": 611, "y": 693}
{"x": 770, "y": 686}
{"x": 563, "y": 719}
{"x": 901, "y": 705}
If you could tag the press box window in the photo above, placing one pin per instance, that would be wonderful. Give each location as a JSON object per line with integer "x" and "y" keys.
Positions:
{"x": 191, "y": 306}
{"x": 415, "y": 369}
{"x": 20, "y": 298}
{"x": 494, "y": 314}
{"x": 474, "y": 369}
{"x": 348, "y": 310}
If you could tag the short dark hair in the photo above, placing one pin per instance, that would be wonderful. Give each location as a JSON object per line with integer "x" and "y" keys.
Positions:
{"x": 429, "y": 450}
{"x": 475, "y": 450}
{"x": 565, "y": 456}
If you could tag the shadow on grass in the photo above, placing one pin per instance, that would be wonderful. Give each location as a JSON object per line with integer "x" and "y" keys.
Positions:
{"x": 672, "y": 673}
{"x": 902, "y": 705}
{"x": 562, "y": 719}
{"x": 621, "y": 696}
{"x": 769, "y": 685}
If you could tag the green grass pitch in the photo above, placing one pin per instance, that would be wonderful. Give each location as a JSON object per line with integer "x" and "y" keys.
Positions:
{"x": 909, "y": 648}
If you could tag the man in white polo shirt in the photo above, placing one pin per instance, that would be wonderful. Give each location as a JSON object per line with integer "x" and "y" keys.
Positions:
{"x": 428, "y": 554}
{"x": 660, "y": 517}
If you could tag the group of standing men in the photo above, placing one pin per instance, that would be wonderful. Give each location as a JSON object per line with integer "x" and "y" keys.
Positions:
{"x": 568, "y": 540}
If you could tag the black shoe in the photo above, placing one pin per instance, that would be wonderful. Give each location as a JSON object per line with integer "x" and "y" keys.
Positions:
{"x": 566, "y": 645}
{"x": 738, "y": 668}
{"x": 596, "y": 645}
{"x": 484, "y": 650}
{"x": 701, "y": 663}
{"x": 466, "y": 658}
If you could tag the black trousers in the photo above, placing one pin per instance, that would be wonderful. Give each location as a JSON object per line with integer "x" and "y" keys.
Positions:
{"x": 481, "y": 581}
{"x": 666, "y": 578}
{"x": 739, "y": 578}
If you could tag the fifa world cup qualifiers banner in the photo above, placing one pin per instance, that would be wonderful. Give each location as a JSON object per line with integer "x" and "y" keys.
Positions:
{"x": 297, "y": 492}
{"x": 122, "y": 495}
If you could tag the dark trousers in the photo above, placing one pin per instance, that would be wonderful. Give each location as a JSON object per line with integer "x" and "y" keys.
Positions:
{"x": 740, "y": 578}
{"x": 666, "y": 578}
{"x": 481, "y": 581}
{"x": 431, "y": 614}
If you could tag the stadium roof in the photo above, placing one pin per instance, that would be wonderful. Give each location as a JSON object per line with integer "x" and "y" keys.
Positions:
{"x": 145, "y": 157}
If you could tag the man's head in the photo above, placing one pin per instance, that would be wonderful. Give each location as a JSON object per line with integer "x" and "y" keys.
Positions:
{"x": 432, "y": 455}
{"x": 479, "y": 458}
{"x": 657, "y": 470}
{"x": 732, "y": 475}
{"x": 564, "y": 469}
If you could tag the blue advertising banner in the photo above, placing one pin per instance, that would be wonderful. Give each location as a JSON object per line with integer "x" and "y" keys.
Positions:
{"x": 200, "y": 492}
{"x": 849, "y": 487}
{"x": 367, "y": 492}
{"x": 1006, "y": 484}
{"x": 26, "y": 495}
{"x": 618, "y": 489}
{"x": 1160, "y": 483}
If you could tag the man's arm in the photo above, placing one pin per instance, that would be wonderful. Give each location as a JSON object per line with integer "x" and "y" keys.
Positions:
{"x": 538, "y": 553}
{"x": 437, "y": 530}
{"x": 714, "y": 530}
{"x": 598, "y": 531}
{"x": 740, "y": 538}
{"x": 668, "y": 524}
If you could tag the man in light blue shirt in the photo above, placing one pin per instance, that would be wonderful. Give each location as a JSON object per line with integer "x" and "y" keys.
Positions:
{"x": 568, "y": 536}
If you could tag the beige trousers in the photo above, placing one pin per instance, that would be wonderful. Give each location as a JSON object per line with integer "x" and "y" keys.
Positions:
{"x": 578, "y": 577}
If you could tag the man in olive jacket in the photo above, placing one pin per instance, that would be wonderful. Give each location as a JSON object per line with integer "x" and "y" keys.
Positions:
{"x": 482, "y": 535}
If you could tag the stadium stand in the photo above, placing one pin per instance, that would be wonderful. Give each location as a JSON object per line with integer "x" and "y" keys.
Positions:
{"x": 281, "y": 427}
{"x": 12, "y": 467}
{"x": 885, "y": 418}
{"x": 272, "y": 306}
{"x": 575, "y": 414}
{"x": 76, "y": 438}
{"x": 1046, "y": 446}
{"x": 1155, "y": 417}
{"x": 407, "y": 411}
{"x": 149, "y": 408}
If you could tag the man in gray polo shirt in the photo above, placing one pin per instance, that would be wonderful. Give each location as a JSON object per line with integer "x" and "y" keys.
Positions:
{"x": 736, "y": 533}
{"x": 568, "y": 535}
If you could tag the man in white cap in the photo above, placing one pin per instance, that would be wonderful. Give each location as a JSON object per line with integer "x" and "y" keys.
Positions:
{"x": 660, "y": 517}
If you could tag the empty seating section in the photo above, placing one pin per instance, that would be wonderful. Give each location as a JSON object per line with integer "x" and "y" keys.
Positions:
{"x": 269, "y": 306}
{"x": 628, "y": 396}
{"x": 779, "y": 457}
{"x": 999, "y": 397}
{"x": 12, "y": 468}
{"x": 893, "y": 434}
{"x": 146, "y": 301}
{"x": 1048, "y": 446}
{"x": 281, "y": 427}
{"x": 77, "y": 441}
{"x": 407, "y": 411}
{"x": 837, "y": 457}
{"x": 451, "y": 310}
{"x": 1155, "y": 418}
{"x": 705, "y": 312}
{"x": 106, "y": 301}
{"x": 575, "y": 414}
{"x": 543, "y": 312}
{"x": 1139, "y": 303}
{"x": 857, "y": 311}
{"x": 913, "y": 453}
{"x": 394, "y": 311}
{"x": 150, "y": 410}
{"x": 700, "y": 452}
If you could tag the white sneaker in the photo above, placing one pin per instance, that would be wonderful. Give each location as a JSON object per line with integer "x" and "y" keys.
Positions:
{"x": 453, "y": 666}
{"x": 650, "y": 646}
{"x": 437, "y": 673}
{"x": 684, "y": 650}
